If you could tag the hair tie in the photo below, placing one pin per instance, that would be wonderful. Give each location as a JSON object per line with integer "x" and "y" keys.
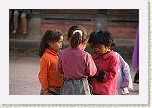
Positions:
{"x": 78, "y": 31}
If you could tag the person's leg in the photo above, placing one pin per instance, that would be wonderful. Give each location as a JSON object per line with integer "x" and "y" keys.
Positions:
{"x": 10, "y": 14}
{"x": 24, "y": 20}
{"x": 24, "y": 23}
{"x": 16, "y": 14}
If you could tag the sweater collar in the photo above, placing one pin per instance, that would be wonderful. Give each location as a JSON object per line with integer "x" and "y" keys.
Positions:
{"x": 104, "y": 56}
{"x": 51, "y": 52}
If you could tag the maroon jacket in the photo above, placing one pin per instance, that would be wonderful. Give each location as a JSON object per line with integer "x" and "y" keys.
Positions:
{"x": 107, "y": 64}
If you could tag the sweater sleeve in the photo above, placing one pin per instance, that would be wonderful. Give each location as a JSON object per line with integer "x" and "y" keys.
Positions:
{"x": 91, "y": 68}
{"x": 59, "y": 64}
{"x": 125, "y": 71}
{"x": 42, "y": 76}
{"x": 127, "y": 80}
{"x": 112, "y": 70}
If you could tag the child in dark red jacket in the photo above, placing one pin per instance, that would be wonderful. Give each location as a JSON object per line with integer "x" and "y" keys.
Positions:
{"x": 105, "y": 80}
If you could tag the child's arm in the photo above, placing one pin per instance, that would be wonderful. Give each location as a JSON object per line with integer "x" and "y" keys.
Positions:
{"x": 91, "y": 68}
{"x": 110, "y": 73}
{"x": 59, "y": 65}
{"x": 42, "y": 76}
{"x": 127, "y": 81}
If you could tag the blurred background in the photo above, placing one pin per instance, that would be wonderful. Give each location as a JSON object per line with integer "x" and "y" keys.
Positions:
{"x": 122, "y": 23}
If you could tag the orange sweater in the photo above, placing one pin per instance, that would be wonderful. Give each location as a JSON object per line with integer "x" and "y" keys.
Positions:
{"x": 48, "y": 76}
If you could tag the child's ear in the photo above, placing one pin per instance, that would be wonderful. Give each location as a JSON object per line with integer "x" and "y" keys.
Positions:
{"x": 109, "y": 46}
{"x": 85, "y": 42}
{"x": 49, "y": 43}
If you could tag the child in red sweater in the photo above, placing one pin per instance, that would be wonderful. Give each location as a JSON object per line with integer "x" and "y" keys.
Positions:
{"x": 49, "y": 78}
{"x": 105, "y": 80}
{"x": 124, "y": 80}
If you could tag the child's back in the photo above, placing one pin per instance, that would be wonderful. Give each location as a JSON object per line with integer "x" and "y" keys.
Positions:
{"x": 76, "y": 64}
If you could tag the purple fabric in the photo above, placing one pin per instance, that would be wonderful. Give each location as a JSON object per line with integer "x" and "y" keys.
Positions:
{"x": 123, "y": 77}
{"x": 135, "y": 56}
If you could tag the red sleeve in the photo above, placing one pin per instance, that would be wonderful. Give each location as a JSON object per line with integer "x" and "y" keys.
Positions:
{"x": 112, "y": 70}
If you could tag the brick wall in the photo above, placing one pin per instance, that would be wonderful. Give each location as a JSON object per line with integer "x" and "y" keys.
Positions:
{"x": 64, "y": 26}
{"x": 125, "y": 31}
{"x": 123, "y": 12}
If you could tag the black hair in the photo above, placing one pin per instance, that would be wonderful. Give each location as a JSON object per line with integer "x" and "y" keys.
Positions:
{"x": 103, "y": 37}
{"x": 75, "y": 38}
{"x": 49, "y": 36}
{"x": 92, "y": 36}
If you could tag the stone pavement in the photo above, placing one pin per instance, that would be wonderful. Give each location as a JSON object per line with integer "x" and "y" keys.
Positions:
{"x": 23, "y": 75}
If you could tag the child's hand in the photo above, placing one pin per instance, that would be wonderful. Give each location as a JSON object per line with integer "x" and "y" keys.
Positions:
{"x": 96, "y": 74}
{"x": 122, "y": 87}
{"x": 45, "y": 92}
{"x": 124, "y": 84}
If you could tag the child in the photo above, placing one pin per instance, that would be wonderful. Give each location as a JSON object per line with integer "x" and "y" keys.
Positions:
{"x": 124, "y": 80}
{"x": 49, "y": 78}
{"x": 76, "y": 64}
{"x": 105, "y": 80}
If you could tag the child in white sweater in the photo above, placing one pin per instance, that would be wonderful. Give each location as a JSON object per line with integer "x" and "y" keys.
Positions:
{"x": 124, "y": 80}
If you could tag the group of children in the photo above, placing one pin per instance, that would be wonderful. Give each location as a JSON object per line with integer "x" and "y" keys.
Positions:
{"x": 74, "y": 71}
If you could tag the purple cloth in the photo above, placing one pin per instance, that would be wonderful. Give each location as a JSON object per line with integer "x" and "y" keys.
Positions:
{"x": 135, "y": 56}
{"x": 123, "y": 76}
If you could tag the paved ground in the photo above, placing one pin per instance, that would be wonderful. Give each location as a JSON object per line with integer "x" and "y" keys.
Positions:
{"x": 23, "y": 72}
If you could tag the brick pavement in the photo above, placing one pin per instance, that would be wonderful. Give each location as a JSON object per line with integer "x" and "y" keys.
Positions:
{"x": 23, "y": 72}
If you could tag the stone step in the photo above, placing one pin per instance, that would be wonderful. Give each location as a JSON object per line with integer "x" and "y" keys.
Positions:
{"x": 29, "y": 45}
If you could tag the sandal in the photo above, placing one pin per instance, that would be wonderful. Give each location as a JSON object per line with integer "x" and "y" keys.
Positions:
{"x": 14, "y": 32}
{"x": 24, "y": 33}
